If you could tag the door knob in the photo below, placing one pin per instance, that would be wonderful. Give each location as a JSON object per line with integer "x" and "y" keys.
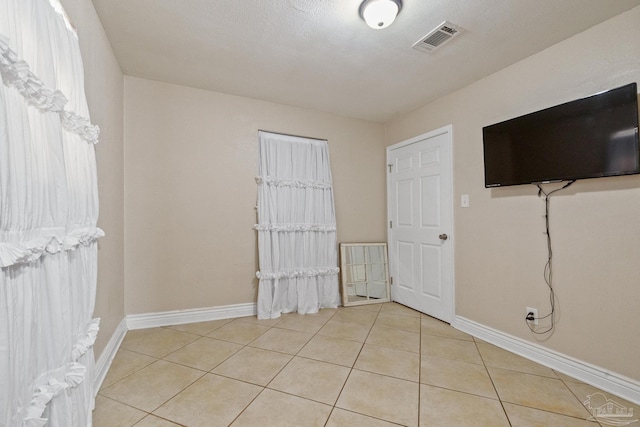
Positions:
{"x": 443, "y": 237}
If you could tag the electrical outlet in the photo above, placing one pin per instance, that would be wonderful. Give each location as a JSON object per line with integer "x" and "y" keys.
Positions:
{"x": 535, "y": 315}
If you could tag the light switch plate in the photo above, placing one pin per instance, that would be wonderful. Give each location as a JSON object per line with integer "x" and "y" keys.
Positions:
{"x": 464, "y": 201}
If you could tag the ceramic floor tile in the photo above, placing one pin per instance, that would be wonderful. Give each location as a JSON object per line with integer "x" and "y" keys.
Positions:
{"x": 253, "y": 365}
{"x": 498, "y": 358}
{"x": 262, "y": 322}
{"x": 534, "y": 391}
{"x": 442, "y": 407}
{"x": 341, "y": 418}
{"x": 239, "y": 332}
{"x": 205, "y": 353}
{"x": 200, "y": 328}
{"x": 348, "y": 314}
{"x": 124, "y": 364}
{"x": 326, "y": 312}
{"x": 332, "y": 350}
{"x": 311, "y": 379}
{"x": 153, "y": 421}
{"x": 394, "y": 338}
{"x": 156, "y": 342}
{"x": 592, "y": 397}
{"x": 432, "y": 326}
{"x": 521, "y": 416}
{"x": 450, "y": 348}
{"x": 382, "y": 397}
{"x": 211, "y": 401}
{"x": 138, "y": 334}
{"x": 389, "y": 361}
{"x": 153, "y": 385}
{"x": 282, "y": 340}
{"x": 398, "y": 309}
{"x": 109, "y": 413}
{"x": 565, "y": 377}
{"x": 457, "y": 375}
{"x": 405, "y": 323}
{"x": 345, "y": 330}
{"x": 277, "y": 409}
{"x": 375, "y": 307}
{"x": 402, "y": 347}
{"x": 302, "y": 322}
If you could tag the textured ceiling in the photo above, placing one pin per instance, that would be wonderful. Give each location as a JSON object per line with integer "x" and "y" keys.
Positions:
{"x": 319, "y": 54}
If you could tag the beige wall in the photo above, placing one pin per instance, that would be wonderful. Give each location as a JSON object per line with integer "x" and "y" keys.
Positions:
{"x": 104, "y": 89}
{"x": 191, "y": 157}
{"x": 499, "y": 240}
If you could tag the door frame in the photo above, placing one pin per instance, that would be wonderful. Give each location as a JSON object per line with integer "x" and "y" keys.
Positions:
{"x": 448, "y": 129}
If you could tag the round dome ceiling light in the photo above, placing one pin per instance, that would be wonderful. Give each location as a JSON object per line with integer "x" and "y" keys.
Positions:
{"x": 380, "y": 14}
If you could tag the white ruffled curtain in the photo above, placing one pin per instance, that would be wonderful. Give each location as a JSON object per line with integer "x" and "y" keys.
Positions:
{"x": 48, "y": 214}
{"x": 296, "y": 227}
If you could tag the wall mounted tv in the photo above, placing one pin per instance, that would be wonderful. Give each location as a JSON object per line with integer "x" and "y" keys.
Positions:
{"x": 590, "y": 137}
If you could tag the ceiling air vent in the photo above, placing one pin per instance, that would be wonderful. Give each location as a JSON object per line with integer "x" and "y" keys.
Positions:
{"x": 438, "y": 37}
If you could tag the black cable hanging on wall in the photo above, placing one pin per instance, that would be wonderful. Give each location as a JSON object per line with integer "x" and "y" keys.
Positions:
{"x": 548, "y": 268}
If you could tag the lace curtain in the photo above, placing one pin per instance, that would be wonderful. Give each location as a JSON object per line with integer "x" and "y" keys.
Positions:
{"x": 296, "y": 227}
{"x": 48, "y": 214}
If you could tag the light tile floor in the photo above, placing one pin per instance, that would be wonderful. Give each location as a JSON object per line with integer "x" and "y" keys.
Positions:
{"x": 376, "y": 365}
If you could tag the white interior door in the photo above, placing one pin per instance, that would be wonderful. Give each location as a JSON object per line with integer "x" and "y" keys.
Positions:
{"x": 420, "y": 211}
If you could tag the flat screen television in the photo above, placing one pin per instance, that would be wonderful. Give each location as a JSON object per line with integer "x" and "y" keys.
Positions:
{"x": 590, "y": 137}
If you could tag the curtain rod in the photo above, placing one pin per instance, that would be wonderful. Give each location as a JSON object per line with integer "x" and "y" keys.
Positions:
{"x": 296, "y": 136}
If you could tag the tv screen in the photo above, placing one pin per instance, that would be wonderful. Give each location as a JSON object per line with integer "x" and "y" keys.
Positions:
{"x": 590, "y": 137}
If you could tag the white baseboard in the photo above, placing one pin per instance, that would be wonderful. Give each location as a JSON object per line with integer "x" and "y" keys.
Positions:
{"x": 179, "y": 317}
{"x": 616, "y": 384}
{"x": 104, "y": 361}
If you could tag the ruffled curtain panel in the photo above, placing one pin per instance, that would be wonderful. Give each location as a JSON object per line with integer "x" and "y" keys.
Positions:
{"x": 48, "y": 215}
{"x": 297, "y": 244}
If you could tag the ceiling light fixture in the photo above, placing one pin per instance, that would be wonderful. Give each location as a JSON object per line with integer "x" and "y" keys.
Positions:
{"x": 380, "y": 13}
